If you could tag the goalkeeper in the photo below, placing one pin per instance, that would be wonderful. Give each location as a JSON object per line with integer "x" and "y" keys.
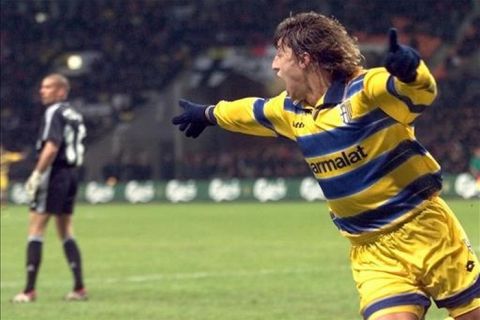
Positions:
{"x": 355, "y": 129}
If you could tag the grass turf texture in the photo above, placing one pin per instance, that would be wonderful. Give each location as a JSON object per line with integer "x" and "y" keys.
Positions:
{"x": 196, "y": 261}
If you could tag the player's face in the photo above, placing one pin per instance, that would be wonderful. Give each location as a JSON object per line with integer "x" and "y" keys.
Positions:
{"x": 51, "y": 91}
{"x": 288, "y": 68}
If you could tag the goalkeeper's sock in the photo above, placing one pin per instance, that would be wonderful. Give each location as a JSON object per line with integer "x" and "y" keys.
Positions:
{"x": 72, "y": 252}
{"x": 34, "y": 257}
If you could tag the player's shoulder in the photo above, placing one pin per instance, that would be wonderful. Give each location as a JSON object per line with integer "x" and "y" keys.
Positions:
{"x": 69, "y": 112}
{"x": 372, "y": 72}
{"x": 282, "y": 102}
{"x": 375, "y": 73}
{"x": 64, "y": 105}
{"x": 375, "y": 77}
{"x": 56, "y": 108}
{"x": 278, "y": 99}
{"x": 53, "y": 111}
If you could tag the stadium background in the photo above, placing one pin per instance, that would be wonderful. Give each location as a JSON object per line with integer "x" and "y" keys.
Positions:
{"x": 129, "y": 62}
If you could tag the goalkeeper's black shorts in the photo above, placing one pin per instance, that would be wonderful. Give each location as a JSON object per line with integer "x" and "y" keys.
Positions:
{"x": 57, "y": 191}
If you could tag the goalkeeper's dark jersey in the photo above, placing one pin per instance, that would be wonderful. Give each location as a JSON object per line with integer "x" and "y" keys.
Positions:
{"x": 359, "y": 143}
{"x": 64, "y": 126}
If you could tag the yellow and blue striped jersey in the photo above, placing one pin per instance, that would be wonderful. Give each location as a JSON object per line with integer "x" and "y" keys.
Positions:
{"x": 359, "y": 143}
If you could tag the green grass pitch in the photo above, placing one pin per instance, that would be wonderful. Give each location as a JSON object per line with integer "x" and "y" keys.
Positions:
{"x": 239, "y": 261}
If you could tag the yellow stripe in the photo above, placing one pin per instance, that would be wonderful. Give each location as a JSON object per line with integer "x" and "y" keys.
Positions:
{"x": 421, "y": 91}
{"x": 238, "y": 116}
{"x": 280, "y": 119}
{"x": 328, "y": 119}
{"x": 375, "y": 145}
{"x": 386, "y": 188}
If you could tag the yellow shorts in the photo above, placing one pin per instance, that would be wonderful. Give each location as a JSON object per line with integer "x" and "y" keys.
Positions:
{"x": 427, "y": 258}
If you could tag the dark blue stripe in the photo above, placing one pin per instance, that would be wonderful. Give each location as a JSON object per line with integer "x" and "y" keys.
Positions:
{"x": 260, "y": 115}
{"x": 211, "y": 115}
{"x": 357, "y": 86}
{"x": 401, "y": 300}
{"x": 330, "y": 141}
{"x": 334, "y": 94}
{"x": 288, "y": 105}
{"x": 366, "y": 175}
{"x": 406, "y": 200}
{"x": 414, "y": 108}
{"x": 461, "y": 298}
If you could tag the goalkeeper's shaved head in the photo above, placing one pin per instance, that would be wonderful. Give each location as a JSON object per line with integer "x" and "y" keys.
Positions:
{"x": 54, "y": 88}
{"x": 59, "y": 80}
{"x": 324, "y": 39}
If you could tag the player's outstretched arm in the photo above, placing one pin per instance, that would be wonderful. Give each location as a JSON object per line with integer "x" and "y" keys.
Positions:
{"x": 251, "y": 115}
{"x": 402, "y": 61}
{"x": 194, "y": 119}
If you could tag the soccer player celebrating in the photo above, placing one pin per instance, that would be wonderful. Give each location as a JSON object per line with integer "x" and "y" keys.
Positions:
{"x": 52, "y": 186}
{"x": 382, "y": 186}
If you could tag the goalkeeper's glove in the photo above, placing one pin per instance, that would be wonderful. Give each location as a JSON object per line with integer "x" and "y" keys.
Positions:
{"x": 32, "y": 184}
{"x": 401, "y": 61}
{"x": 195, "y": 118}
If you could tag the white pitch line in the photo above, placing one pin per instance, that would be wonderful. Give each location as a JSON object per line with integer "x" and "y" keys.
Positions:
{"x": 181, "y": 276}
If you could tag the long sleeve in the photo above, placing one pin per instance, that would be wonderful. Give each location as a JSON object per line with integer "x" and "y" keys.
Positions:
{"x": 402, "y": 101}
{"x": 255, "y": 116}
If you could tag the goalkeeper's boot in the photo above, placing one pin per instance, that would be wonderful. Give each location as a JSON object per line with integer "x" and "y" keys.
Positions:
{"x": 77, "y": 295}
{"x": 25, "y": 297}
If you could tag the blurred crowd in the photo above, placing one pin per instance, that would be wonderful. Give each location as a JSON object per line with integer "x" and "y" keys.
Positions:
{"x": 141, "y": 45}
{"x": 270, "y": 161}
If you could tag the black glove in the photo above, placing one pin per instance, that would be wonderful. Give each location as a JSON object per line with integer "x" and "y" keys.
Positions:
{"x": 401, "y": 61}
{"x": 193, "y": 119}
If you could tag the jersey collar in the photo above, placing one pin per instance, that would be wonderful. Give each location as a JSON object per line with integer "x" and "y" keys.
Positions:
{"x": 337, "y": 92}
{"x": 334, "y": 95}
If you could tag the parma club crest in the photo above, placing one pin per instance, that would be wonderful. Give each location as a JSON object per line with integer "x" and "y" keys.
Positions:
{"x": 346, "y": 111}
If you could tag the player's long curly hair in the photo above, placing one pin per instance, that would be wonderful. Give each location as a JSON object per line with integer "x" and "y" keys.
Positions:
{"x": 324, "y": 39}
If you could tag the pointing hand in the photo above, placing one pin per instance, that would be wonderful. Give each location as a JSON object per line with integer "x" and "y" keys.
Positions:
{"x": 401, "y": 61}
